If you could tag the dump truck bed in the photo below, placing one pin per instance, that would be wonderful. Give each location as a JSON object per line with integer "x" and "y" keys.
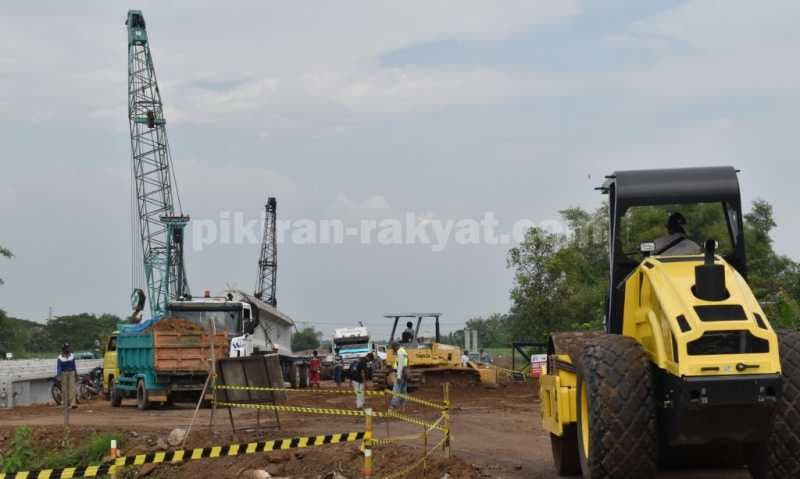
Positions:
{"x": 170, "y": 346}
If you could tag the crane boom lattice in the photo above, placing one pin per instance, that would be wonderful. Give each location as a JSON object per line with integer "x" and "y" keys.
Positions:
{"x": 152, "y": 174}
{"x": 268, "y": 260}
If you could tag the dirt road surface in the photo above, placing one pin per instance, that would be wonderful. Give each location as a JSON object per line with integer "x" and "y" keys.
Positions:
{"x": 496, "y": 434}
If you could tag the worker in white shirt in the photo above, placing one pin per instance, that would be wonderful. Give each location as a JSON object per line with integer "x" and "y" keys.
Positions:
{"x": 465, "y": 358}
{"x": 401, "y": 373}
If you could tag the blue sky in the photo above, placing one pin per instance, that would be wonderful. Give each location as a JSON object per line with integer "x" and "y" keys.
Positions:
{"x": 372, "y": 109}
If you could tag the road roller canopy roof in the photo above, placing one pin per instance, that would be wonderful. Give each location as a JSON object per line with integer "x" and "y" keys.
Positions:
{"x": 673, "y": 186}
{"x": 631, "y": 188}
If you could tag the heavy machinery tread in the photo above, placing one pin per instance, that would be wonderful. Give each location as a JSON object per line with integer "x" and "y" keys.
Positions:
{"x": 783, "y": 448}
{"x": 572, "y": 343}
{"x": 438, "y": 376}
{"x": 379, "y": 379}
{"x": 623, "y": 430}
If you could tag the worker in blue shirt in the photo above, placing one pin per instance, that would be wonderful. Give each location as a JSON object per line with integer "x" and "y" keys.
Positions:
{"x": 66, "y": 372}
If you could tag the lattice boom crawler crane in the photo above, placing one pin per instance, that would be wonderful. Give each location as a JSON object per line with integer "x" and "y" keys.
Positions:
{"x": 159, "y": 229}
{"x": 688, "y": 361}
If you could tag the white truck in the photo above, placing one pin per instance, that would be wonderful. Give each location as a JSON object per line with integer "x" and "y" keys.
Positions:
{"x": 350, "y": 344}
{"x": 255, "y": 328}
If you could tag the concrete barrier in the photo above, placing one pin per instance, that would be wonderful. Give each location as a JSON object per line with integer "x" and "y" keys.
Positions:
{"x": 26, "y": 382}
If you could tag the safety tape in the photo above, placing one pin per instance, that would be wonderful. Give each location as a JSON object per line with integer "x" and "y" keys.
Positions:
{"x": 390, "y": 440}
{"x": 329, "y": 412}
{"x": 181, "y": 455}
{"x": 419, "y": 462}
{"x": 409, "y": 419}
{"x": 291, "y": 390}
{"x": 296, "y": 409}
{"x": 512, "y": 371}
{"x": 423, "y": 402}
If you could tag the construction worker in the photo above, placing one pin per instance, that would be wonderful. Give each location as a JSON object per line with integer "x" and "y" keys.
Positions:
{"x": 485, "y": 357}
{"x": 408, "y": 334}
{"x": 465, "y": 358}
{"x": 675, "y": 242}
{"x": 358, "y": 377}
{"x": 338, "y": 369}
{"x": 401, "y": 373}
{"x": 315, "y": 370}
{"x": 66, "y": 372}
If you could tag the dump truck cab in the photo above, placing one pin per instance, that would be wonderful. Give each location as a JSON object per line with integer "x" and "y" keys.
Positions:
{"x": 687, "y": 357}
{"x": 110, "y": 368}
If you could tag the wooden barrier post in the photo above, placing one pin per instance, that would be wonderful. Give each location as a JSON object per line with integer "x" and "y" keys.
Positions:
{"x": 367, "y": 472}
{"x": 67, "y": 387}
{"x": 213, "y": 376}
{"x": 447, "y": 420}
{"x": 386, "y": 421}
{"x": 424, "y": 449}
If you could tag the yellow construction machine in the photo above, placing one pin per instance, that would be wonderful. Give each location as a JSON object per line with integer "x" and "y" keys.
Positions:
{"x": 429, "y": 360}
{"x": 688, "y": 361}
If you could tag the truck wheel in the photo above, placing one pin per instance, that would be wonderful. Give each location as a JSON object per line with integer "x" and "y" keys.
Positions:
{"x": 565, "y": 451}
{"x": 55, "y": 393}
{"x": 142, "y": 396}
{"x": 115, "y": 396}
{"x": 780, "y": 456}
{"x": 617, "y": 423}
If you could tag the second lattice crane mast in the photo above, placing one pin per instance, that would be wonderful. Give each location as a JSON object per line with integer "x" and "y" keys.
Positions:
{"x": 268, "y": 259}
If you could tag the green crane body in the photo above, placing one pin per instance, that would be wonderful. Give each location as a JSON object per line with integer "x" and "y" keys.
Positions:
{"x": 159, "y": 228}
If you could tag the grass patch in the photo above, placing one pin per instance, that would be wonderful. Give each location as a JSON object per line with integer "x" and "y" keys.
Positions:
{"x": 23, "y": 455}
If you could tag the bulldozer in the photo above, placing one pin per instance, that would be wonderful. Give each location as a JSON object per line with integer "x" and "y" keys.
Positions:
{"x": 687, "y": 362}
{"x": 429, "y": 360}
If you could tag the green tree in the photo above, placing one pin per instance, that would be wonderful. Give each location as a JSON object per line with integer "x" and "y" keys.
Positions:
{"x": 493, "y": 331}
{"x": 80, "y": 330}
{"x": 305, "y": 339}
{"x": 6, "y": 253}
{"x": 775, "y": 279}
{"x": 561, "y": 279}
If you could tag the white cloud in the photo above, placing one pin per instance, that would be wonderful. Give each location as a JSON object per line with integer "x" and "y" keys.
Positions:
{"x": 717, "y": 48}
{"x": 289, "y": 64}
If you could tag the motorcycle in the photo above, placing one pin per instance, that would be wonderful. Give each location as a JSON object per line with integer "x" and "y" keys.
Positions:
{"x": 91, "y": 385}
{"x": 87, "y": 387}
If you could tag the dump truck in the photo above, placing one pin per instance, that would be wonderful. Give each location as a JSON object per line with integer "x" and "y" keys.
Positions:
{"x": 687, "y": 364}
{"x": 162, "y": 361}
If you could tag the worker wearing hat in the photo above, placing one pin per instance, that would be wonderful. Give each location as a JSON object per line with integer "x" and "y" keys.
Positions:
{"x": 675, "y": 242}
{"x": 66, "y": 371}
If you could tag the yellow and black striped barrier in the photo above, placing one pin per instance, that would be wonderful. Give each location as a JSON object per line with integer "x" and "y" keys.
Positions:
{"x": 292, "y": 390}
{"x": 181, "y": 455}
{"x": 422, "y": 402}
{"x": 322, "y": 411}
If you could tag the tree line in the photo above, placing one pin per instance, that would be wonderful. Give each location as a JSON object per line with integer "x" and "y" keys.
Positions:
{"x": 561, "y": 278}
{"x": 81, "y": 331}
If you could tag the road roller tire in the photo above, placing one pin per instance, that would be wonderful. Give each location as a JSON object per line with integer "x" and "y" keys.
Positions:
{"x": 780, "y": 457}
{"x": 617, "y": 425}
